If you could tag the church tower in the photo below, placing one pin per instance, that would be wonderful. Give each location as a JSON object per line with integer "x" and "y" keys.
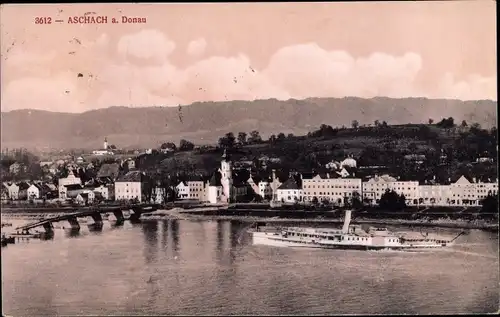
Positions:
{"x": 105, "y": 143}
{"x": 226, "y": 176}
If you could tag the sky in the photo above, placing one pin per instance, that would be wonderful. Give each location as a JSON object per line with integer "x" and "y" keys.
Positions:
{"x": 245, "y": 51}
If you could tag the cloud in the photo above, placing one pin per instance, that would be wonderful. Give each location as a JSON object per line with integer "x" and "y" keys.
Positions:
{"x": 58, "y": 93}
{"x": 296, "y": 71}
{"x": 476, "y": 87}
{"x": 146, "y": 44}
{"x": 197, "y": 47}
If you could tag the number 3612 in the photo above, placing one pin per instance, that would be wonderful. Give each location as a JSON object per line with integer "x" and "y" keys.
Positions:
{"x": 43, "y": 20}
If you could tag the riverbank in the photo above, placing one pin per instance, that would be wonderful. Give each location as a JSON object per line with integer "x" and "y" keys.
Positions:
{"x": 486, "y": 225}
{"x": 215, "y": 214}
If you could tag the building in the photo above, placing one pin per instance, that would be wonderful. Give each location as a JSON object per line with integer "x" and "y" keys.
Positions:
{"x": 108, "y": 171}
{"x": 105, "y": 150}
{"x": 192, "y": 187}
{"x": 85, "y": 198}
{"x": 4, "y": 191}
{"x": 349, "y": 162}
{"x": 34, "y": 191}
{"x": 71, "y": 179}
{"x": 107, "y": 192}
{"x": 374, "y": 188}
{"x": 331, "y": 188}
{"x": 434, "y": 195}
{"x": 464, "y": 192}
{"x": 225, "y": 186}
{"x": 214, "y": 189}
{"x": 23, "y": 190}
{"x": 290, "y": 191}
{"x": 71, "y": 191}
{"x": 13, "y": 191}
{"x": 131, "y": 186}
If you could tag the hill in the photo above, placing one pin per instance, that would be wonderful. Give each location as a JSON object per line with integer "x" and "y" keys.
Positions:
{"x": 205, "y": 122}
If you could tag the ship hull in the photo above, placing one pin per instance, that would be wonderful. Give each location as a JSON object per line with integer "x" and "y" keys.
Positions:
{"x": 261, "y": 238}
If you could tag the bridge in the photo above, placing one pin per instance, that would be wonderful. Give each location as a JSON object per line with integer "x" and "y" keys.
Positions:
{"x": 95, "y": 213}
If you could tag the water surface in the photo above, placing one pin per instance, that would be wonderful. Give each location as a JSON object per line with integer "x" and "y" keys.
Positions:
{"x": 211, "y": 267}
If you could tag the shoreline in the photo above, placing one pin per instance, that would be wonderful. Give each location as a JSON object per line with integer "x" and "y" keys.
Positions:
{"x": 493, "y": 227}
{"x": 181, "y": 214}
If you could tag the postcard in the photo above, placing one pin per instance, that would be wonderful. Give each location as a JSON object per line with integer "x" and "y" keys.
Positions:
{"x": 249, "y": 158}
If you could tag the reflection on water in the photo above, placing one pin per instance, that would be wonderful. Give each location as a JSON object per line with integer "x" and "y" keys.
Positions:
{"x": 211, "y": 267}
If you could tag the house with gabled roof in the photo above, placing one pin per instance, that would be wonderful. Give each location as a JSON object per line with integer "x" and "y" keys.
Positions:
{"x": 191, "y": 187}
{"x": 4, "y": 191}
{"x": 23, "y": 190}
{"x": 131, "y": 186}
{"x": 290, "y": 191}
{"x": 35, "y": 191}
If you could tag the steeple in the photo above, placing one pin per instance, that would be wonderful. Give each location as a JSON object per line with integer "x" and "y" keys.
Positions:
{"x": 105, "y": 143}
{"x": 226, "y": 156}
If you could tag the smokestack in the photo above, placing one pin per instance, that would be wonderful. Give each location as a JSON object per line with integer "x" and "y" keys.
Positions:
{"x": 347, "y": 221}
{"x": 274, "y": 174}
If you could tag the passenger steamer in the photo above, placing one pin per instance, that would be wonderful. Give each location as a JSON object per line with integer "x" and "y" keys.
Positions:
{"x": 347, "y": 238}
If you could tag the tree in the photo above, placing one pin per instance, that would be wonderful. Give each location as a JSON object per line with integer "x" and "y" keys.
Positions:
{"x": 227, "y": 141}
{"x": 376, "y": 123}
{"x": 254, "y": 137}
{"x": 281, "y": 137}
{"x": 384, "y": 124}
{"x": 464, "y": 123}
{"x": 390, "y": 200}
{"x": 315, "y": 200}
{"x": 490, "y": 204}
{"x": 272, "y": 138}
{"x": 355, "y": 124}
{"x": 431, "y": 121}
{"x": 242, "y": 137}
{"x": 476, "y": 126}
{"x": 290, "y": 136}
{"x": 185, "y": 145}
{"x": 168, "y": 145}
{"x": 356, "y": 200}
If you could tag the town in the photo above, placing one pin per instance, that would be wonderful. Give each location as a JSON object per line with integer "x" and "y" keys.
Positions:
{"x": 325, "y": 178}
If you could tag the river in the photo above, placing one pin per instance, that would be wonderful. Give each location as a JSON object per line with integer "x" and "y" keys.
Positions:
{"x": 172, "y": 267}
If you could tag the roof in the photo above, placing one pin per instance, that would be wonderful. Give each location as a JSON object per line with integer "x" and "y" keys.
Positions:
{"x": 240, "y": 177}
{"x": 85, "y": 196}
{"x": 215, "y": 179}
{"x": 38, "y": 186}
{"x": 23, "y": 185}
{"x": 109, "y": 170}
{"x": 132, "y": 176}
{"x": 290, "y": 183}
{"x": 382, "y": 179}
{"x": 73, "y": 187}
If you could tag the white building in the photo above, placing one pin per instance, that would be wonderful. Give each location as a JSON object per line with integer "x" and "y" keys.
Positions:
{"x": 130, "y": 186}
{"x": 223, "y": 187}
{"x": 86, "y": 197}
{"x": 374, "y": 188}
{"x": 70, "y": 180}
{"x": 214, "y": 189}
{"x": 34, "y": 192}
{"x": 434, "y": 195}
{"x": 349, "y": 162}
{"x": 333, "y": 189}
{"x": 13, "y": 191}
{"x": 290, "y": 191}
{"x": 106, "y": 191}
{"x": 464, "y": 193}
{"x": 192, "y": 188}
{"x": 105, "y": 150}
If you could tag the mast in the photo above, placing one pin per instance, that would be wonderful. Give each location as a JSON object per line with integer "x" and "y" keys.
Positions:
{"x": 347, "y": 221}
